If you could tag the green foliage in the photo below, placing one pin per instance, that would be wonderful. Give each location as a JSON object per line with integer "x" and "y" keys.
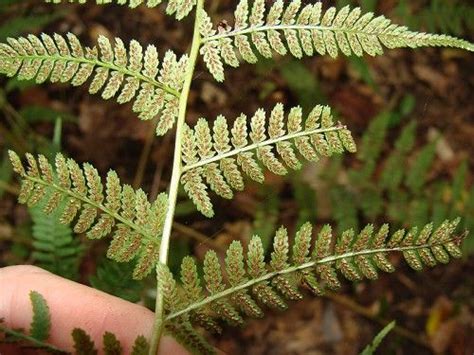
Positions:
{"x": 19, "y": 21}
{"x": 40, "y": 327}
{"x": 178, "y": 8}
{"x": 33, "y": 114}
{"x": 83, "y": 344}
{"x": 54, "y": 247}
{"x": 217, "y": 156}
{"x": 133, "y": 74}
{"x": 305, "y": 198}
{"x": 41, "y": 323}
{"x": 5, "y": 172}
{"x": 266, "y": 217}
{"x": 134, "y": 222}
{"x": 141, "y": 346}
{"x": 447, "y": 16}
{"x": 397, "y": 186}
{"x": 111, "y": 344}
{"x": 301, "y": 81}
{"x": 371, "y": 348}
{"x": 17, "y": 25}
{"x": 307, "y": 30}
{"x": 313, "y": 263}
{"x": 117, "y": 279}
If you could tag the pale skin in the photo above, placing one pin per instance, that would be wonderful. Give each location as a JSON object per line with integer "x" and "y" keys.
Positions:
{"x": 73, "y": 305}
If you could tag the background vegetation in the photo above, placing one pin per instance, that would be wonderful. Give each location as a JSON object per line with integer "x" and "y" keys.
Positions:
{"x": 414, "y": 165}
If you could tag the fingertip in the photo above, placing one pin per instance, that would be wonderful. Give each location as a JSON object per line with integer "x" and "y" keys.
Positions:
{"x": 73, "y": 305}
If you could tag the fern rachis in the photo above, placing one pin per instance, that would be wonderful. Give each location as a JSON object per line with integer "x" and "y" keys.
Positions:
{"x": 218, "y": 157}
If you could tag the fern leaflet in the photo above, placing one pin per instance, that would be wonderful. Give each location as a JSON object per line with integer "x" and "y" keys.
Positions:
{"x": 252, "y": 282}
{"x": 41, "y": 323}
{"x": 307, "y": 30}
{"x": 179, "y": 8}
{"x": 219, "y": 156}
{"x": 131, "y": 74}
{"x": 135, "y": 223}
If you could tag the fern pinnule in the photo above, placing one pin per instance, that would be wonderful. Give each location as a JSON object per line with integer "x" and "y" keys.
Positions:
{"x": 179, "y": 8}
{"x": 307, "y": 30}
{"x": 129, "y": 75}
{"x": 135, "y": 223}
{"x": 218, "y": 158}
{"x": 354, "y": 256}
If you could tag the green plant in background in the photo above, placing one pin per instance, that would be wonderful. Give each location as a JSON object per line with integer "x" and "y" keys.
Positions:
{"x": 370, "y": 349}
{"x": 54, "y": 247}
{"x": 402, "y": 191}
{"x": 217, "y": 157}
{"x": 17, "y": 131}
{"x": 116, "y": 279}
{"x": 448, "y": 16}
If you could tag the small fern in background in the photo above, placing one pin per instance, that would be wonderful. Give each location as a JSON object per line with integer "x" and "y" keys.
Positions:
{"x": 381, "y": 186}
{"x": 116, "y": 279}
{"x": 448, "y": 16}
{"x": 54, "y": 247}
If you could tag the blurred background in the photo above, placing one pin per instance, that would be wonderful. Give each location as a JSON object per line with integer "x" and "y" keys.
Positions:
{"x": 411, "y": 112}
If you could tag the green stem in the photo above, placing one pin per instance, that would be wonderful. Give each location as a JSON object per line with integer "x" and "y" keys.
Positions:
{"x": 158, "y": 326}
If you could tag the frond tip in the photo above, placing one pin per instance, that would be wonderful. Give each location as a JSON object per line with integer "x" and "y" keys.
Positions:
{"x": 132, "y": 74}
{"x": 313, "y": 263}
{"x": 308, "y": 30}
{"x": 218, "y": 158}
{"x": 98, "y": 211}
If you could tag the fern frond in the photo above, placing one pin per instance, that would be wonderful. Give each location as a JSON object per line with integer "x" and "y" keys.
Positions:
{"x": 54, "y": 247}
{"x": 314, "y": 263}
{"x": 116, "y": 279}
{"x": 307, "y": 30}
{"x": 217, "y": 159}
{"x": 131, "y": 74}
{"x": 135, "y": 223}
{"x": 179, "y": 8}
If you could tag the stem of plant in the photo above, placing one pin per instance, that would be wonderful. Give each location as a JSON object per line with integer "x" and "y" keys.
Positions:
{"x": 158, "y": 325}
